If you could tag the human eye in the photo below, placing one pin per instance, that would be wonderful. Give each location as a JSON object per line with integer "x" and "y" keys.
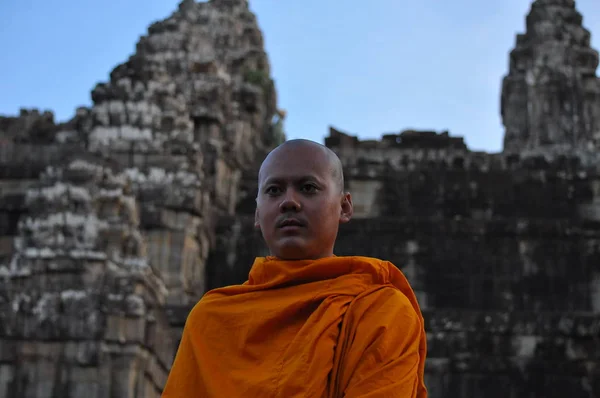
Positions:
{"x": 309, "y": 188}
{"x": 272, "y": 190}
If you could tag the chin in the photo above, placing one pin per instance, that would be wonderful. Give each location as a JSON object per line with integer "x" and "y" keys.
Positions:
{"x": 292, "y": 255}
{"x": 290, "y": 251}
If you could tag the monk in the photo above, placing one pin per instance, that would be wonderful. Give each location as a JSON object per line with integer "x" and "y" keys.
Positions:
{"x": 306, "y": 323}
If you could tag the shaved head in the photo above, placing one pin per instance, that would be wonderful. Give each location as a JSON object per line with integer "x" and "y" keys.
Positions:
{"x": 334, "y": 161}
{"x": 301, "y": 200}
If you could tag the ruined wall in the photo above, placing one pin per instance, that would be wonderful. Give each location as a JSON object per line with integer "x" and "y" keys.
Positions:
{"x": 511, "y": 306}
{"x": 511, "y": 301}
{"x": 82, "y": 311}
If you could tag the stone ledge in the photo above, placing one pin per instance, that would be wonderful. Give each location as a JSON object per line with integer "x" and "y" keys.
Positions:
{"x": 543, "y": 324}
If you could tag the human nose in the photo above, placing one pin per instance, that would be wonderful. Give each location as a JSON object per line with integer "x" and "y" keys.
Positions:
{"x": 289, "y": 202}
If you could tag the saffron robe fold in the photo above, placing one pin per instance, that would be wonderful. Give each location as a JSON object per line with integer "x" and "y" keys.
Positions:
{"x": 327, "y": 328}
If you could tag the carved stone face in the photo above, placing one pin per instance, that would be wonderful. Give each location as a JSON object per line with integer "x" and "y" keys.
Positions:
{"x": 300, "y": 204}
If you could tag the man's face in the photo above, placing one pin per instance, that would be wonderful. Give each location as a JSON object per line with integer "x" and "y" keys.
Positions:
{"x": 300, "y": 203}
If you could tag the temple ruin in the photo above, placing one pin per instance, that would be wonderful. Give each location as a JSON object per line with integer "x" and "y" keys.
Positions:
{"x": 114, "y": 224}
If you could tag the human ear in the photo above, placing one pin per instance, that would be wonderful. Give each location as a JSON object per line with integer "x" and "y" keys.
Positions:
{"x": 256, "y": 222}
{"x": 347, "y": 209}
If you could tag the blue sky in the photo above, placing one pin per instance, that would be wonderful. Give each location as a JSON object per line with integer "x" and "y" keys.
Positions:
{"x": 364, "y": 67}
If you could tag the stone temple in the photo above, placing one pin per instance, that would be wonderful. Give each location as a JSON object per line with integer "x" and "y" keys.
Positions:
{"x": 114, "y": 224}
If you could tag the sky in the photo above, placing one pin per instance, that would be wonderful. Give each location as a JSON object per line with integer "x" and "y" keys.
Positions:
{"x": 366, "y": 68}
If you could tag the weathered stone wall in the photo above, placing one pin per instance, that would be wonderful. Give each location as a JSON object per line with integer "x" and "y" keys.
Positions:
{"x": 29, "y": 144}
{"x": 512, "y": 306}
{"x": 502, "y": 250}
{"x": 81, "y": 310}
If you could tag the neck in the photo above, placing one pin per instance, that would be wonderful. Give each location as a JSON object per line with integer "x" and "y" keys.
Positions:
{"x": 301, "y": 257}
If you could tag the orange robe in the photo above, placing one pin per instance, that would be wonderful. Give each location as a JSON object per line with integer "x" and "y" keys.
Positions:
{"x": 327, "y": 328}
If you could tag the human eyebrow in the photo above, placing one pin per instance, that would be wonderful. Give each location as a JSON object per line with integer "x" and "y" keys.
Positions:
{"x": 272, "y": 181}
{"x": 307, "y": 178}
{"x": 293, "y": 180}
{"x": 296, "y": 181}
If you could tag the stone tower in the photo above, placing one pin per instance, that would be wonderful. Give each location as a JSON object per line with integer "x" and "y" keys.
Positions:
{"x": 107, "y": 221}
{"x": 551, "y": 95}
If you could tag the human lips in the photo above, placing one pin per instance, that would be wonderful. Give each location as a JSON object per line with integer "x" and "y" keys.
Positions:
{"x": 290, "y": 223}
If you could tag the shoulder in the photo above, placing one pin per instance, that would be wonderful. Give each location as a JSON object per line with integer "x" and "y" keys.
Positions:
{"x": 215, "y": 303}
{"x": 384, "y": 270}
{"x": 384, "y": 306}
{"x": 198, "y": 314}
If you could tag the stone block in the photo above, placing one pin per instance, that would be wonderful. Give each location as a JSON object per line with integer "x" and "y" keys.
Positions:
{"x": 7, "y": 379}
